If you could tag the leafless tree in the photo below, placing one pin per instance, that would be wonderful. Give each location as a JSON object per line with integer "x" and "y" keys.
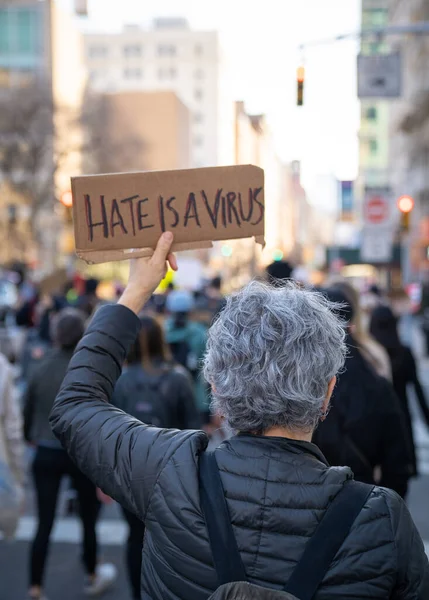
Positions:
{"x": 38, "y": 139}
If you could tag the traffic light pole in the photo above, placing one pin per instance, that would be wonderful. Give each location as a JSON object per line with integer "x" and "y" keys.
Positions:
{"x": 421, "y": 28}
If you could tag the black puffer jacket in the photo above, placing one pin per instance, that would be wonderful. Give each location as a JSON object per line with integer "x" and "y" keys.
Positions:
{"x": 277, "y": 491}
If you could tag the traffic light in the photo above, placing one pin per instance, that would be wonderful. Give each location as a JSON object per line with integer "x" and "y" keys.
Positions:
{"x": 405, "y": 205}
{"x": 300, "y": 76}
{"x": 66, "y": 200}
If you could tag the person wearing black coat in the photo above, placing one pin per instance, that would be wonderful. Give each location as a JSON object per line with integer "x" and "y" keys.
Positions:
{"x": 159, "y": 392}
{"x": 384, "y": 328}
{"x": 272, "y": 358}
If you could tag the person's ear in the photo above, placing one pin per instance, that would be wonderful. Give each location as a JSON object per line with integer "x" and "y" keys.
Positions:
{"x": 331, "y": 386}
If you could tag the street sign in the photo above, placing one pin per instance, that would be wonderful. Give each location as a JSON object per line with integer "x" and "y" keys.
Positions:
{"x": 377, "y": 245}
{"x": 379, "y": 76}
{"x": 376, "y": 210}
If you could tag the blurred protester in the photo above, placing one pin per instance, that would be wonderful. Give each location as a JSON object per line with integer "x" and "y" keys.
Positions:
{"x": 153, "y": 389}
{"x": 38, "y": 340}
{"x": 12, "y": 473}
{"x": 272, "y": 360}
{"x": 279, "y": 270}
{"x": 89, "y": 301}
{"x": 301, "y": 275}
{"x": 51, "y": 462}
{"x": 215, "y": 299}
{"x": 187, "y": 340}
{"x": 384, "y": 329}
{"x": 373, "y": 352}
{"x": 365, "y": 428}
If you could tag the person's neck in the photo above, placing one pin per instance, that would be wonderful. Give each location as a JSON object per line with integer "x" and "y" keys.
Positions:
{"x": 287, "y": 433}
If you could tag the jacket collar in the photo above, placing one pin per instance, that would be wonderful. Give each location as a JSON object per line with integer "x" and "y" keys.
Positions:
{"x": 285, "y": 444}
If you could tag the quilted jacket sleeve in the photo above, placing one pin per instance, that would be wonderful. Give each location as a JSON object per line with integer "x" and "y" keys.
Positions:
{"x": 119, "y": 454}
{"x": 412, "y": 562}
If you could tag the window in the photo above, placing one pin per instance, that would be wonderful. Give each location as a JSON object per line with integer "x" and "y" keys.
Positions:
{"x": 132, "y": 51}
{"x": 198, "y": 140}
{"x": 198, "y": 50}
{"x": 371, "y": 113}
{"x": 20, "y": 31}
{"x": 199, "y": 74}
{"x": 198, "y": 117}
{"x": 166, "y": 50}
{"x": 198, "y": 94}
{"x": 98, "y": 52}
{"x": 170, "y": 73}
{"x": 373, "y": 146}
{"x": 132, "y": 73}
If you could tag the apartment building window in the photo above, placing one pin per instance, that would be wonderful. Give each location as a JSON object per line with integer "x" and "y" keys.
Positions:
{"x": 198, "y": 141}
{"x": 167, "y": 50}
{"x": 198, "y": 117}
{"x": 170, "y": 73}
{"x": 132, "y": 73}
{"x": 199, "y": 74}
{"x": 198, "y": 94}
{"x": 132, "y": 51}
{"x": 21, "y": 30}
{"x": 373, "y": 146}
{"x": 198, "y": 50}
{"x": 371, "y": 113}
{"x": 98, "y": 52}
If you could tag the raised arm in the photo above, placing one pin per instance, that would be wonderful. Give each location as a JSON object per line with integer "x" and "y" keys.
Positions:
{"x": 118, "y": 453}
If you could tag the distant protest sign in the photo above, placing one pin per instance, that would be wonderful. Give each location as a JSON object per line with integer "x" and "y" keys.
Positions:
{"x": 122, "y": 215}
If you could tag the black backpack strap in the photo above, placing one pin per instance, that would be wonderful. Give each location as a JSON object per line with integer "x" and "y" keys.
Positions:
{"x": 327, "y": 540}
{"x": 226, "y": 557}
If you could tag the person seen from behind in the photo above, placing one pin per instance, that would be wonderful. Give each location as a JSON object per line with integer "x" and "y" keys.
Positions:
{"x": 51, "y": 462}
{"x": 187, "y": 341}
{"x": 12, "y": 471}
{"x": 158, "y": 392}
{"x": 364, "y": 429}
{"x": 272, "y": 359}
{"x": 384, "y": 328}
{"x": 373, "y": 352}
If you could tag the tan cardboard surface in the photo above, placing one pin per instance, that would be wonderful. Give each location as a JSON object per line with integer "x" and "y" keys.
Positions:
{"x": 121, "y": 216}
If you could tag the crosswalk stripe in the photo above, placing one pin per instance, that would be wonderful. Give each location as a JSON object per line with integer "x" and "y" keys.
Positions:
{"x": 68, "y": 530}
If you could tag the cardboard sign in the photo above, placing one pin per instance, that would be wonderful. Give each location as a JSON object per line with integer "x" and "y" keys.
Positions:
{"x": 123, "y": 215}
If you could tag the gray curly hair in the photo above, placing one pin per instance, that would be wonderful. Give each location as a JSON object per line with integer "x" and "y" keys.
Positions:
{"x": 270, "y": 356}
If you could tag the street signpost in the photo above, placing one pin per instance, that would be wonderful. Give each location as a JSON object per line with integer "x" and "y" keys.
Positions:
{"x": 378, "y": 230}
{"x": 379, "y": 76}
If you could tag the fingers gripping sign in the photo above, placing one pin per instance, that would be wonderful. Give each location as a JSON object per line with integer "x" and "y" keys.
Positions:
{"x": 147, "y": 273}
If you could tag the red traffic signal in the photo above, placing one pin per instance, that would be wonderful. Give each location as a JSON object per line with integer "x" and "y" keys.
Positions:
{"x": 405, "y": 204}
{"x": 67, "y": 199}
{"x": 300, "y": 76}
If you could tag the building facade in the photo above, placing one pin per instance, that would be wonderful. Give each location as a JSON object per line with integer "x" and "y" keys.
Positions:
{"x": 374, "y": 124}
{"x": 168, "y": 57}
{"x": 409, "y": 133}
{"x": 40, "y": 44}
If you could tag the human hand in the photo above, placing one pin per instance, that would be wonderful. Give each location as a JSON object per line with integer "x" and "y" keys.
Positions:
{"x": 147, "y": 273}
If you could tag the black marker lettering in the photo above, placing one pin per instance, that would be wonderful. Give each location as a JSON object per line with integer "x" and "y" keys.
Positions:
{"x": 120, "y": 221}
{"x": 173, "y": 210}
{"x": 224, "y": 211}
{"x": 130, "y": 200}
{"x": 213, "y": 214}
{"x": 161, "y": 212}
{"x": 230, "y": 199}
{"x": 191, "y": 204}
{"x": 90, "y": 224}
{"x": 256, "y": 193}
{"x": 250, "y": 205}
{"x": 140, "y": 217}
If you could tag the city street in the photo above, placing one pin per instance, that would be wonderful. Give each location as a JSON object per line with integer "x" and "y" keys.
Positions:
{"x": 64, "y": 573}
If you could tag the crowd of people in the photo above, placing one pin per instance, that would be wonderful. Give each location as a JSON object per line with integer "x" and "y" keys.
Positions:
{"x": 297, "y": 388}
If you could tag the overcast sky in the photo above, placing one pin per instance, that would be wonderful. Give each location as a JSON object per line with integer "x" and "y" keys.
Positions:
{"x": 260, "y": 40}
